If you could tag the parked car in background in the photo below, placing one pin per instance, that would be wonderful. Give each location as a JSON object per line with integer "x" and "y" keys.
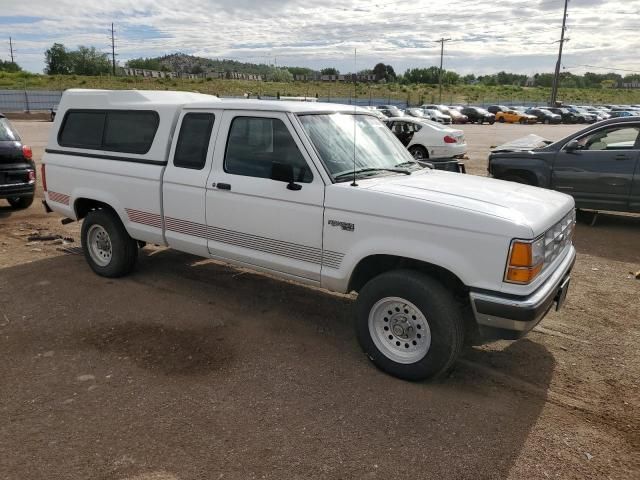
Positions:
{"x": 457, "y": 116}
{"x": 600, "y": 114}
{"x": 544, "y": 115}
{"x": 622, "y": 114}
{"x": 497, "y": 108}
{"x": 390, "y": 110}
{"x": 437, "y": 116}
{"x": 515, "y": 116}
{"x": 376, "y": 112}
{"x": 582, "y": 115}
{"x": 567, "y": 115}
{"x": 428, "y": 141}
{"x": 598, "y": 165}
{"x": 479, "y": 115}
{"x": 17, "y": 168}
{"x": 416, "y": 112}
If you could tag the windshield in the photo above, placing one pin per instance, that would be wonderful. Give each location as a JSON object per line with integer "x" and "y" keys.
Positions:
{"x": 375, "y": 146}
{"x": 7, "y": 134}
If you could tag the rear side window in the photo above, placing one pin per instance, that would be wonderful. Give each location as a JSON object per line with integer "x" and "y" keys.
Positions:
{"x": 6, "y": 132}
{"x": 193, "y": 141}
{"x": 82, "y": 130}
{"x": 123, "y": 131}
{"x": 130, "y": 132}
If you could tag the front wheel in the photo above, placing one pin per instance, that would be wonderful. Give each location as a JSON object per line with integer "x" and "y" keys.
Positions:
{"x": 409, "y": 325}
{"x": 501, "y": 119}
{"x": 108, "y": 248}
{"x": 20, "y": 202}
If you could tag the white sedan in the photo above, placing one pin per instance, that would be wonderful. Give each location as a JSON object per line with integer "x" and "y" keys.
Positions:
{"x": 426, "y": 139}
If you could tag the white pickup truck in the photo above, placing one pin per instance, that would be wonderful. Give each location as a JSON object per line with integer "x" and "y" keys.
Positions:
{"x": 317, "y": 193}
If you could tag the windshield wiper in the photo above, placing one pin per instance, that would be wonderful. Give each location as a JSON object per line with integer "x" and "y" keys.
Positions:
{"x": 409, "y": 163}
{"x": 371, "y": 170}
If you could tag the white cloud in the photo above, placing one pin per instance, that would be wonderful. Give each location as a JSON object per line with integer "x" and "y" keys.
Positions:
{"x": 514, "y": 35}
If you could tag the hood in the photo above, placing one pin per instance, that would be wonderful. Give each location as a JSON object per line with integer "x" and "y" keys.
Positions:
{"x": 523, "y": 144}
{"x": 516, "y": 203}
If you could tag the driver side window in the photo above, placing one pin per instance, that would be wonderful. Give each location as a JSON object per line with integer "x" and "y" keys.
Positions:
{"x": 616, "y": 138}
{"x": 260, "y": 147}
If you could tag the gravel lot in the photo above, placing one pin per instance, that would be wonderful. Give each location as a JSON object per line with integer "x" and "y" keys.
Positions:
{"x": 191, "y": 370}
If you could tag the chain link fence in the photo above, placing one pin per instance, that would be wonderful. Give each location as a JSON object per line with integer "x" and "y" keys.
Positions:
{"x": 44, "y": 100}
{"x": 28, "y": 100}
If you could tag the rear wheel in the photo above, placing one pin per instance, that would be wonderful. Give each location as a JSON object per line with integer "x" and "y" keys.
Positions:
{"x": 522, "y": 121}
{"x": 409, "y": 325}
{"x": 491, "y": 122}
{"x": 108, "y": 248}
{"x": 419, "y": 152}
{"x": 20, "y": 202}
{"x": 501, "y": 119}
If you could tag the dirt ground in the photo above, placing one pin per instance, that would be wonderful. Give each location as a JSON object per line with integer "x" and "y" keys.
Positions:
{"x": 188, "y": 369}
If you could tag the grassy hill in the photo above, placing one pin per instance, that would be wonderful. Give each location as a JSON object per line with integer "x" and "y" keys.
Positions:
{"x": 394, "y": 93}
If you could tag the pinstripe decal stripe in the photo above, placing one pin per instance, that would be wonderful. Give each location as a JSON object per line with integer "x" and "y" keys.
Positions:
{"x": 58, "y": 197}
{"x": 272, "y": 246}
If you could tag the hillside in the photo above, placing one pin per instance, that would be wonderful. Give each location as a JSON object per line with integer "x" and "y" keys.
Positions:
{"x": 393, "y": 93}
{"x": 180, "y": 62}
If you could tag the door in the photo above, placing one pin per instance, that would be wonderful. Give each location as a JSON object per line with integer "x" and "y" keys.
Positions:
{"x": 185, "y": 180}
{"x": 265, "y": 197}
{"x": 599, "y": 172}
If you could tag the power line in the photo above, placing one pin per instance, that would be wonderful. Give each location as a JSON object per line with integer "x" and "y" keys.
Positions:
{"x": 556, "y": 76}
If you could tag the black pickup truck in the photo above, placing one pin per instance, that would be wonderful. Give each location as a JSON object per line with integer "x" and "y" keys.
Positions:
{"x": 17, "y": 169}
{"x": 599, "y": 166}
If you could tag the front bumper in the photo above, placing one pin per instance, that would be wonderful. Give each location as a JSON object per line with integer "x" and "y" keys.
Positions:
{"x": 501, "y": 316}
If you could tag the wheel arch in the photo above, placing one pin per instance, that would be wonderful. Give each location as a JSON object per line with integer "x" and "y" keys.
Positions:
{"x": 374, "y": 265}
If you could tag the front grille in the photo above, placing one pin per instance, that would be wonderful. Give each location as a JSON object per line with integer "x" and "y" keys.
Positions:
{"x": 559, "y": 237}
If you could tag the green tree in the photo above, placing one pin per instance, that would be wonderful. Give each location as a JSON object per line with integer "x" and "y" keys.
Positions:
{"x": 197, "y": 69}
{"x": 330, "y": 71}
{"x": 146, "y": 63}
{"x": 279, "y": 75}
{"x": 89, "y": 61}
{"x": 9, "y": 66}
{"x": 57, "y": 60}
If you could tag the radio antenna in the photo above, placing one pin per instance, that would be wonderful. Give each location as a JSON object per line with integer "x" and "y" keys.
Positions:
{"x": 355, "y": 107}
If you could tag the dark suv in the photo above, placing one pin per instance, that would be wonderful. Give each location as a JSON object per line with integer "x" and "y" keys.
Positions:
{"x": 598, "y": 165}
{"x": 17, "y": 170}
{"x": 478, "y": 115}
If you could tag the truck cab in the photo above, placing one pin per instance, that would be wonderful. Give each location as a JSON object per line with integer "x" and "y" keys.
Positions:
{"x": 321, "y": 194}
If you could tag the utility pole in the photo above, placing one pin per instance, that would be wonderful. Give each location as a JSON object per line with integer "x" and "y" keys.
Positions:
{"x": 441, "y": 42}
{"x": 556, "y": 76}
{"x": 11, "y": 50}
{"x": 113, "y": 51}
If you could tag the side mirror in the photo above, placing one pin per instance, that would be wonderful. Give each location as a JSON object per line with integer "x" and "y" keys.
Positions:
{"x": 572, "y": 146}
{"x": 283, "y": 172}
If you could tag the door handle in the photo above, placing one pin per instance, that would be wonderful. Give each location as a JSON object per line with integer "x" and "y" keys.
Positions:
{"x": 622, "y": 157}
{"x": 222, "y": 186}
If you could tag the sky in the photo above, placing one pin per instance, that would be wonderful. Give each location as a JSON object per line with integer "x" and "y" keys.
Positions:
{"x": 486, "y": 35}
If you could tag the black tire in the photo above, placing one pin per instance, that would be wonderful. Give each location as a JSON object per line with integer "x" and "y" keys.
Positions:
{"x": 123, "y": 248}
{"x": 420, "y": 150}
{"x": 547, "y": 121}
{"x": 20, "y": 202}
{"x": 522, "y": 121}
{"x": 443, "y": 315}
{"x": 501, "y": 120}
{"x": 491, "y": 122}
